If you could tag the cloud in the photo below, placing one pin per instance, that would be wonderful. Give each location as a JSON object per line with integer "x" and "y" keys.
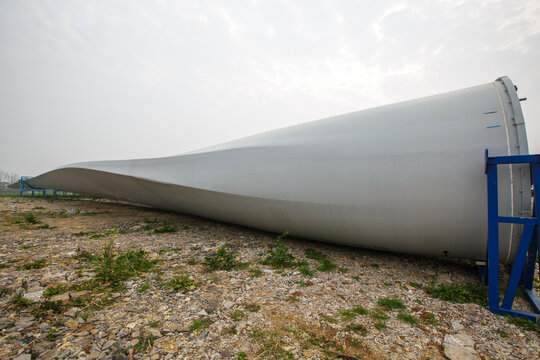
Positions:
{"x": 162, "y": 77}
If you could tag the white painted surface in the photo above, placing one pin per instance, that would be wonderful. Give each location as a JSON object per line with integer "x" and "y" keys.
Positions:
{"x": 407, "y": 177}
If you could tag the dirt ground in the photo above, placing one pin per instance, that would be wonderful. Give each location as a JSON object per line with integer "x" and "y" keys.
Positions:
{"x": 99, "y": 279}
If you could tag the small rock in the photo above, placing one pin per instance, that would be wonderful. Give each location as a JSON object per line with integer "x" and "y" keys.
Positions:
{"x": 72, "y": 323}
{"x": 23, "y": 323}
{"x": 228, "y": 304}
{"x": 155, "y": 332}
{"x": 41, "y": 347}
{"x": 24, "y": 357}
{"x": 456, "y": 325}
{"x": 108, "y": 344}
{"x": 77, "y": 294}
{"x": 33, "y": 296}
{"x": 459, "y": 347}
{"x": 93, "y": 355}
{"x": 59, "y": 297}
{"x": 72, "y": 312}
{"x": 204, "y": 334}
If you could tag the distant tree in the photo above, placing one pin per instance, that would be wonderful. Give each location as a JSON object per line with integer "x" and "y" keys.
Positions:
{"x": 13, "y": 178}
{"x": 8, "y": 177}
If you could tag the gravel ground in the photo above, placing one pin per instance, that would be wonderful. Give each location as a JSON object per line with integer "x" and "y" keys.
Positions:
{"x": 60, "y": 298}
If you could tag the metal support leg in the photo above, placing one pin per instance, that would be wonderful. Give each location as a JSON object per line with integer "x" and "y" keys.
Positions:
{"x": 493, "y": 239}
{"x": 529, "y": 246}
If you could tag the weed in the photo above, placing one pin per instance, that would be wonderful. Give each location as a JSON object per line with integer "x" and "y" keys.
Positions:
{"x": 273, "y": 347}
{"x": 113, "y": 268}
{"x": 353, "y": 312}
{"x": 224, "y": 259}
{"x": 87, "y": 256}
{"x": 415, "y": 285}
{"x": 359, "y": 328}
{"x": 292, "y": 299}
{"x": 356, "y": 277}
{"x": 459, "y": 293}
{"x": 315, "y": 255}
{"x": 145, "y": 342}
{"x": 524, "y": 324}
{"x": 374, "y": 265}
{"x": 3, "y": 291}
{"x": 54, "y": 290}
{"x": 51, "y": 335}
{"x": 150, "y": 221}
{"x": 428, "y": 318}
{"x": 502, "y": 333}
{"x": 255, "y": 272}
{"x": 379, "y": 315}
{"x": 47, "y": 307}
{"x": 143, "y": 288}
{"x": 26, "y": 247}
{"x": 165, "y": 228}
{"x": 237, "y": 315}
{"x": 229, "y": 331}
{"x": 327, "y": 266}
{"x": 241, "y": 356}
{"x": 192, "y": 261}
{"x": 252, "y": 307}
{"x": 391, "y": 304}
{"x": 20, "y": 302}
{"x": 38, "y": 208}
{"x": 106, "y": 233}
{"x": 356, "y": 343}
{"x": 329, "y": 319}
{"x": 154, "y": 324}
{"x": 164, "y": 250}
{"x": 379, "y": 325}
{"x": 409, "y": 319}
{"x": 305, "y": 270}
{"x": 200, "y": 324}
{"x": 3, "y": 266}
{"x": 37, "y": 264}
{"x": 44, "y": 226}
{"x": 83, "y": 233}
{"x": 280, "y": 257}
{"x": 93, "y": 213}
{"x": 256, "y": 334}
{"x": 30, "y": 218}
{"x": 181, "y": 283}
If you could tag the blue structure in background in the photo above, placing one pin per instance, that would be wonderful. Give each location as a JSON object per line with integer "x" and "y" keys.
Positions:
{"x": 525, "y": 262}
{"x": 24, "y": 184}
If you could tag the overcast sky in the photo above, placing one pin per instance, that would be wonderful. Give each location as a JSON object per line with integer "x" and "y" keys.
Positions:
{"x": 85, "y": 80}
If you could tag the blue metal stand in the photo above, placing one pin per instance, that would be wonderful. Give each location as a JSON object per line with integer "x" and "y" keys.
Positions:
{"x": 24, "y": 184}
{"x": 526, "y": 256}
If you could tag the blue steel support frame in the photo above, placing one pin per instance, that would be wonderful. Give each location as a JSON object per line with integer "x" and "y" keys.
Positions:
{"x": 525, "y": 261}
{"x": 23, "y": 183}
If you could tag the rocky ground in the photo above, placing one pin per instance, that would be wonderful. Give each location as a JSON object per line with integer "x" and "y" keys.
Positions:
{"x": 96, "y": 279}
